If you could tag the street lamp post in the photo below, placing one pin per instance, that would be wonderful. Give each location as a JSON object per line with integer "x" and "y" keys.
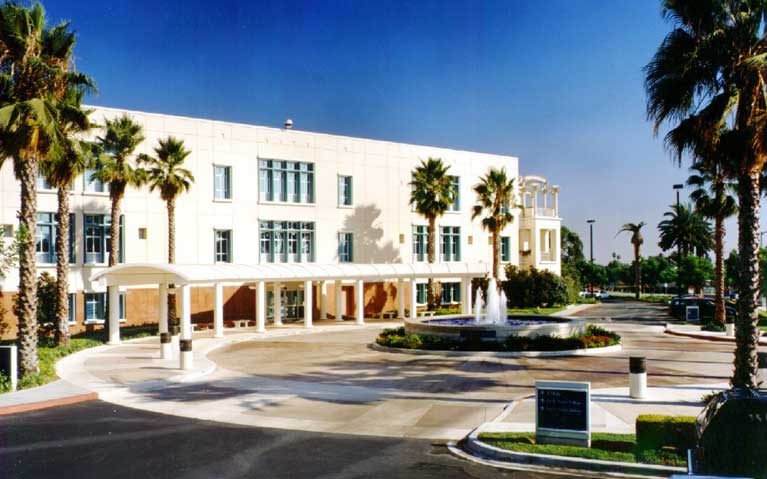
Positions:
{"x": 678, "y": 187}
{"x": 591, "y": 249}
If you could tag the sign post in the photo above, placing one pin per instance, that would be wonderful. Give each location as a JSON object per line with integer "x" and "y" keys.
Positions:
{"x": 692, "y": 314}
{"x": 563, "y": 413}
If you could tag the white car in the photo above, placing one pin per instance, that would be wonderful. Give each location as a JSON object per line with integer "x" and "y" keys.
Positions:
{"x": 602, "y": 294}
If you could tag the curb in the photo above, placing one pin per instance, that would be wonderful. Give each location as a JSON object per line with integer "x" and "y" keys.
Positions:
{"x": 574, "y": 308}
{"x": 499, "y": 354}
{"x": 706, "y": 337}
{"x": 36, "y": 406}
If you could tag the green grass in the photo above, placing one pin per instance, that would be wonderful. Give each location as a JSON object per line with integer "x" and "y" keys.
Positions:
{"x": 604, "y": 447}
{"x": 544, "y": 311}
{"x": 49, "y": 354}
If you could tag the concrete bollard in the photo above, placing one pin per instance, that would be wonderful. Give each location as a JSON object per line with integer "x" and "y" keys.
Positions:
{"x": 166, "y": 347}
{"x": 187, "y": 360}
{"x": 729, "y": 329}
{"x": 761, "y": 372}
{"x": 174, "y": 337}
{"x": 637, "y": 377}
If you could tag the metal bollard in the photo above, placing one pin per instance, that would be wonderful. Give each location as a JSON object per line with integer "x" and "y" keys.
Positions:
{"x": 187, "y": 360}
{"x": 166, "y": 347}
{"x": 637, "y": 377}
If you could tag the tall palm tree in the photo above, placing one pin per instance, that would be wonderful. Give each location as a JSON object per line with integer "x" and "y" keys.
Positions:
{"x": 636, "y": 240}
{"x": 35, "y": 71}
{"x": 710, "y": 68}
{"x": 495, "y": 198}
{"x": 60, "y": 172}
{"x": 432, "y": 192}
{"x": 712, "y": 199}
{"x": 685, "y": 229}
{"x": 121, "y": 138}
{"x": 165, "y": 173}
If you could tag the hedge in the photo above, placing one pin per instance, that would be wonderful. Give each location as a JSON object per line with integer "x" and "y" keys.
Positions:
{"x": 655, "y": 431}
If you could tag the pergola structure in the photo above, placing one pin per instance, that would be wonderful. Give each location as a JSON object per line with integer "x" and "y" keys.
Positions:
{"x": 186, "y": 276}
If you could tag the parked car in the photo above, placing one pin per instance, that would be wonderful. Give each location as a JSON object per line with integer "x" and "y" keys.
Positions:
{"x": 603, "y": 294}
{"x": 678, "y": 307}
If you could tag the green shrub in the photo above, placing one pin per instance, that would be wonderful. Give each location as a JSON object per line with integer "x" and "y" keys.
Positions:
{"x": 655, "y": 432}
{"x": 530, "y": 288}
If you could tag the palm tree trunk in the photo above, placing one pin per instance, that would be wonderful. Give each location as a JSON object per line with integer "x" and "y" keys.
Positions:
{"x": 637, "y": 272}
{"x": 496, "y": 255}
{"x": 746, "y": 330}
{"x": 431, "y": 293}
{"x": 62, "y": 268}
{"x": 26, "y": 299}
{"x": 114, "y": 252}
{"x": 720, "y": 314}
{"x": 171, "y": 205}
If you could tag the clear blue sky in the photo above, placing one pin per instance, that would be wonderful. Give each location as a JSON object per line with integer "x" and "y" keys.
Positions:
{"x": 558, "y": 84}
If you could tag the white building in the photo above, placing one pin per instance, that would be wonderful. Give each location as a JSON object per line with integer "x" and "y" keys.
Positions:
{"x": 271, "y": 195}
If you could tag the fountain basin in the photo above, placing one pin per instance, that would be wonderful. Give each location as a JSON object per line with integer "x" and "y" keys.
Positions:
{"x": 467, "y": 327}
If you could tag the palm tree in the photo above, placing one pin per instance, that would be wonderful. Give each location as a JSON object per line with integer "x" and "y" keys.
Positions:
{"x": 35, "y": 72}
{"x": 60, "y": 172}
{"x": 121, "y": 138}
{"x": 710, "y": 69}
{"x": 495, "y": 198}
{"x": 166, "y": 175}
{"x": 685, "y": 229}
{"x": 432, "y": 192}
{"x": 636, "y": 239}
{"x": 712, "y": 199}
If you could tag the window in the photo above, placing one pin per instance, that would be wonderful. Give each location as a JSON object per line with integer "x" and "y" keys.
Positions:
{"x": 450, "y": 293}
{"x": 450, "y": 247}
{"x": 456, "y": 204}
{"x": 6, "y": 231}
{"x": 223, "y": 240}
{"x": 72, "y": 310}
{"x": 222, "y": 182}
{"x": 420, "y": 293}
{"x": 45, "y": 242}
{"x": 344, "y": 190}
{"x": 286, "y": 242}
{"x": 345, "y": 248}
{"x": 287, "y": 181}
{"x": 41, "y": 183}
{"x": 420, "y": 237}
{"x": 505, "y": 249}
{"x": 92, "y": 185}
{"x": 96, "y": 307}
{"x": 142, "y": 233}
{"x": 97, "y": 239}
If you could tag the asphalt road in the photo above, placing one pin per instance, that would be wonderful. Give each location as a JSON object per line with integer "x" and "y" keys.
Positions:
{"x": 98, "y": 439}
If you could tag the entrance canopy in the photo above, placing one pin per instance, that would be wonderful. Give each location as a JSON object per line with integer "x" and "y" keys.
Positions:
{"x": 190, "y": 274}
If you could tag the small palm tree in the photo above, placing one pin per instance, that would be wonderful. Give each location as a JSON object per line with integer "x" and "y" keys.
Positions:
{"x": 432, "y": 192}
{"x": 165, "y": 173}
{"x": 60, "y": 172}
{"x": 35, "y": 71}
{"x": 121, "y": 138}
{"x": 685, "y": 229}
{"x": 495, "y": 197}
{"x": 636, "y": 240}
{"x": 712, "y": 199}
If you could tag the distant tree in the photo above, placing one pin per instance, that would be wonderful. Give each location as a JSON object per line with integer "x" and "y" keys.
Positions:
{"x": 695, "y": 271}
{"x": 572, "y": 245}
{"x": 495, "y": 200}
{"x": 431, "y": 194}
{"x": 636, "y": 240}
{"x": 657, "y": 270}
{"x": 593, "y": 274}
{"x": 731, "y": 271}
{"x": 686, "y": 229}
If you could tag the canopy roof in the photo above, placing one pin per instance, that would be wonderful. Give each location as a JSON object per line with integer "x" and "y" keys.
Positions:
{"x": 157, "y": 273}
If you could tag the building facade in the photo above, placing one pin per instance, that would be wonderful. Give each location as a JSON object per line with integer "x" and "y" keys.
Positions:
{"x": 270, "y": 195}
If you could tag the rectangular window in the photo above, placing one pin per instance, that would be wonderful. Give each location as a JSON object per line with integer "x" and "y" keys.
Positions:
{"x": 505, "y": 249}
{"x": 45, "y": 243}
{"x": 223, "y": 240}
{"x": 92, "y": 185}
{"x": 450, "y": 293}
{"x": 222, "y": 182}
{"x": 420, "y": 296}
{"x": 97, "y": 239}
{"x": 72, "y": 308}
{"x": 286, "y": 242}
{"x": 344, "y": 190}
{"x": 345, "y": 248}
{"x": 286, "y": 181}
{"x": 41, "y": 183}
{"x": 420, "y": 238}
{"x": 456, "y": 204}
{"x": 450, "y": 244}
{"x": 96, "y": 307}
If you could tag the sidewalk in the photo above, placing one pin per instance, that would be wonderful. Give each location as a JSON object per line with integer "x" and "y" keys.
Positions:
{"x": 57, "y": 393}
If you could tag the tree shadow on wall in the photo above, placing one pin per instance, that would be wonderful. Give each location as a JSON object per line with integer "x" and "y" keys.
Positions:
{"x": 368, "y": 233}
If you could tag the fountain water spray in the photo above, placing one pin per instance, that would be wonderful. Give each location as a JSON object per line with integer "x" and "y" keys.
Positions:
{"x": 479, "y": 304}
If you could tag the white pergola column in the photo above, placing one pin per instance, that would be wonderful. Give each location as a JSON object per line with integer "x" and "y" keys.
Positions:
{"x": 187, "y": 360}
{"x": 114, "y": 315}
{"x": 277, "y": 303}
{"x": 339, "y": 292}
{"x": 308, "y": 306}
{"x": 359, "y": 301}
{"x": 218, "y": 310}
{"x": 555, "y": 199}
{"x": 413, "y": 298}
{"x": 163, "y": 307}
{"x": 261, "y": 307}
{"x": 466, "y": 295}
{"x": 401, "y": 299}
{"x": 323, "y": 299}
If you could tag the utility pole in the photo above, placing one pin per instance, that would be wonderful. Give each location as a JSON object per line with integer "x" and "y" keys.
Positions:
{"x": 678, "y": 187}
{"x": 591, "y": 249}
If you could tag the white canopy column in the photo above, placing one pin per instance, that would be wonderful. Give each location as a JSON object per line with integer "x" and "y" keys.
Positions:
{"x": 218, "y": 310}
{"x": 359, "y": 301}
{"x": 308, "y": 306}
{"x": 162, "y": 307}
{"x": 114, "y": 315}
{"x": 261, "y": 307}
{"x": 277, "y": 303}
{"x": 413, "y": 298}
{"x": 187, "y": 360}
{"x": 323, "y": 299}
{"x": 339, "y": 292}
{"x": 401, "y": 299}
{"x": 466, "y": 295}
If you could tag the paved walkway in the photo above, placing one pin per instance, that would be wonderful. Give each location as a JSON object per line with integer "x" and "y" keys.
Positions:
{"x": 329, "y": 380}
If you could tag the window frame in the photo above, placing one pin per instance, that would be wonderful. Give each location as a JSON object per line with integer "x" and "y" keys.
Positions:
{"x": 455, "y": 205}
{"x": 505, "y": 249}
{"x": 229, "y": 245}
{"x": 280, "y": 236}
{"x": 103, "y": 238}
{"x": 345, "y": 255}
{"x": 450, "y": 244}
{"x": 345, "y": 191}
{"x": 420, "y": 241}
{"x": 87, "y": 181}
{"x": 52, "y": 225}
{"x": 228, "y": 185}
{"x": 287, "y": 181}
